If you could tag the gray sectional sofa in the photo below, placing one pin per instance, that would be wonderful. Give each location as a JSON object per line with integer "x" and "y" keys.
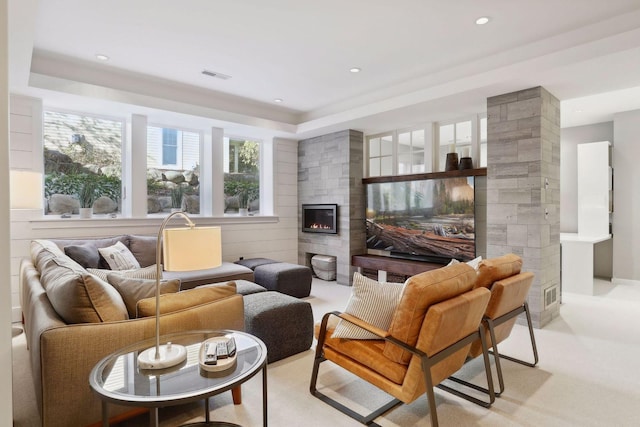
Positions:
{"x": 72, "y": 318}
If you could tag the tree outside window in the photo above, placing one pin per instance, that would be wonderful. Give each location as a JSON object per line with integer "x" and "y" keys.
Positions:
{"x": 241, "y": 175}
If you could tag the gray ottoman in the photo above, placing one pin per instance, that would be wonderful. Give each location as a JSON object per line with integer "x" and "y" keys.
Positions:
{"x": 284, "y": 323}
{"x": 290, "y": 279}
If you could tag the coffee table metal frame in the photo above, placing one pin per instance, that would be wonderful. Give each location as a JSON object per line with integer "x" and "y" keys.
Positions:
{"x": 246, "y": 368}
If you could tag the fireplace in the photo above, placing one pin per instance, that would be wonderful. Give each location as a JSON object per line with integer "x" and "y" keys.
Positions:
{"x": 320, "y": 218}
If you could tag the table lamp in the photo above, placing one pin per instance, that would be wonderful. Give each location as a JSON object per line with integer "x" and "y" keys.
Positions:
{"x": 184, "y": 249}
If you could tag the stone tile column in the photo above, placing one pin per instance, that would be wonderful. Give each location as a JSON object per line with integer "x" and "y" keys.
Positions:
{"x": 523, "y": 190}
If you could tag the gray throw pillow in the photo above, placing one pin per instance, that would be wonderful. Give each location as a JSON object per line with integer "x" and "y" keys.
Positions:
{"x": 85, "y": 255}
{"x": 133, "y": 290}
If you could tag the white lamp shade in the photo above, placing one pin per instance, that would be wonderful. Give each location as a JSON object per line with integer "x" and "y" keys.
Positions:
{"x": 196, "y": 248}
{"x": 26, "y": 189}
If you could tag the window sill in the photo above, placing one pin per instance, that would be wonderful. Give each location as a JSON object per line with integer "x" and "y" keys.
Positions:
{"x": 104, "y": 221}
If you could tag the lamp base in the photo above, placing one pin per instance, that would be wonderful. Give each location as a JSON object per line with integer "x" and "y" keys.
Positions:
{"x": 170, "y": 355}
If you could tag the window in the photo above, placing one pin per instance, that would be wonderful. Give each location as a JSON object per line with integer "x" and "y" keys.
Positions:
{"x": 454, "y": 137}
{"x": 381, "y": 156}
{"x": 411, "y": 157}
{"x": 169, "y": 147}
{"x": 173, "y": 172}
{"x": 483, "y": 142}
{"x": 241, "y": 176}
{"x": 82, "y": 163}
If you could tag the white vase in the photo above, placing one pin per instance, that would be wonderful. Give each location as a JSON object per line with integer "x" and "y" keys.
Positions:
{"x": 86, "y": 212}
{"x": 243, "y": 211}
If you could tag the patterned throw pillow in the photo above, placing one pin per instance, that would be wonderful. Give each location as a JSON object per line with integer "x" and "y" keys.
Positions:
{"x": 371, "y": 301}
{"x": 136, "y": 273}
{"x": 119, "y": 257}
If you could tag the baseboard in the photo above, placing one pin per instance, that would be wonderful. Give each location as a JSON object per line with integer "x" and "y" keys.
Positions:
{"x": 617, "y": 281}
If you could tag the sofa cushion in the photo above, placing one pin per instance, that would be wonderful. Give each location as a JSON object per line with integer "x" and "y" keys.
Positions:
{"x": 226, "y": 272}
{"x": 133, "y": 290}
{"x": 185, "y": 299}
{"x": 119, "y": 257}
{"x": 493, "y": 269}
{"x": 77, "y": 296}
{"x": 144, "y": 249}
{"x": 371, "y": 301}
{"x": 420, "y": 292}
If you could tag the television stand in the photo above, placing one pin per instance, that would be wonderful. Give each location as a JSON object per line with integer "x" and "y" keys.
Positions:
{"x": 384, "y": 265}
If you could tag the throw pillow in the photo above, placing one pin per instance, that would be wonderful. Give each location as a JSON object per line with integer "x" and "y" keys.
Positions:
{"x": 85, "y": 255}
{"x": 185, "y": 299}
{"x": 133, "y": 290}
{"x": 78, "y": 297}
{"x": 371, "y": 301}
{"x": 119, "y": 257}
{"x": 137, "y": 273}
{"x": 475, "y": 263}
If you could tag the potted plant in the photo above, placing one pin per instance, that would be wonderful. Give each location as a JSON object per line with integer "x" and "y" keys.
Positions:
{"x": 243, "y": 201}
{"x": 86, "y": 197}
{"x": 177, "y": 194}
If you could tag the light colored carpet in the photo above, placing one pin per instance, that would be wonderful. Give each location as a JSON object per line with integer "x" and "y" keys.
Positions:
{"x": 587, "y": 376}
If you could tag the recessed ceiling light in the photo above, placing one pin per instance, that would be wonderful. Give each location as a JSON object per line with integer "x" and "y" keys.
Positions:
{"x": 278, "y": 100}
{"x": 355, "y": 70}
{"x": 102, "y": 57}
{"x": 482, "y": 20}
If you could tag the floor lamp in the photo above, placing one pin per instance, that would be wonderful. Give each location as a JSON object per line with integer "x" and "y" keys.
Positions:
{"x": 25, "y": 192}
{"x": 183, "y": 249}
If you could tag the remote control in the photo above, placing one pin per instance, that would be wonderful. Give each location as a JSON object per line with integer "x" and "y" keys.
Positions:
{"x": 221, "y": 350}
{"x": 231, "y": 347}
{"x": 210, "y": 357}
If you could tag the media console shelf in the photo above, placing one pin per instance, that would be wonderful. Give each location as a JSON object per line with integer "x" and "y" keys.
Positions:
{"x": 428, "y": 175}
{"x": 383, "y": 264}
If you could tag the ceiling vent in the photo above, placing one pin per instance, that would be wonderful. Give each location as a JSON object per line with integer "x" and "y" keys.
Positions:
{"x": 216, "y": 74}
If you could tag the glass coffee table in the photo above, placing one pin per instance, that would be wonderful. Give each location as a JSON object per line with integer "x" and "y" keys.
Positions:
{"x": 118, "y": 380}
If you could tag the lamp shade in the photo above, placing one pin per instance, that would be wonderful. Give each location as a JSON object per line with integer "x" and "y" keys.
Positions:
{"x": 194, "y": 248}
{"x": 26, "y": 189}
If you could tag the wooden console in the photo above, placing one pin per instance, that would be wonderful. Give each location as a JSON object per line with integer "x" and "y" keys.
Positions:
{"x": 403, "y": 267}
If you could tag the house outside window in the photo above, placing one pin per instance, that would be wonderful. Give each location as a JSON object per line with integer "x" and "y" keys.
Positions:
{"x": 241, "y": 176}
{"x": 82, "y": 163}
{"x": 173, "y": 170}
{"x": 454, "y": 137}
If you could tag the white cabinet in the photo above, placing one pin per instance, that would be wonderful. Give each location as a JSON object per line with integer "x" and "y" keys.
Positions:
{"x": 594, "y": 188}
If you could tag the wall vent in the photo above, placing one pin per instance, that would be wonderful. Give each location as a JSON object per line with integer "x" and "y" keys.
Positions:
{"x": 550, "y": 296}
{"x": 215, "y": 74}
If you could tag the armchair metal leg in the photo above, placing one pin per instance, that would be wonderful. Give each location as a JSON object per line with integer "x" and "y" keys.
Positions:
{"x": 487, "y": 368}
{"x": 497, "y": 355}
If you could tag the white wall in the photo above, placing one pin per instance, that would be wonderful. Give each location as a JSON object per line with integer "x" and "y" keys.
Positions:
{"x": 626, "y": 196}
{"x": 271, "y": 236}
{"x": 6, "y": 388}
{"x": 570, "y": 138}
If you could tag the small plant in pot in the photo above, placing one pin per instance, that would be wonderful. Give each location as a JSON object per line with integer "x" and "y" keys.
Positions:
{"x": 87, "y": 196}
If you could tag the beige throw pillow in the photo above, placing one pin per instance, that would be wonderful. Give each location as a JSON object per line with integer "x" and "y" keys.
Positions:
{"x": 186, "y": 299}
{"x": 137, "y": 273}
{"x": 79, "y": 297}
{"x": 119, "y": 257}
{"x": 371, "y": 301}
{"x": 133, "y": 290}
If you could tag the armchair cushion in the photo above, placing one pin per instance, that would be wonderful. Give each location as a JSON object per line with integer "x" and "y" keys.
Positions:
{"x": 371, "y": 301}
{"x": 494, "y": 269}
{"x": 185, "y": 299}
{"x": 420, "y": 292}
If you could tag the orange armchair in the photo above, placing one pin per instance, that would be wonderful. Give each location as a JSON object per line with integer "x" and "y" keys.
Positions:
{"x": 436, "y": 321}
{"x": 509, "y": 289}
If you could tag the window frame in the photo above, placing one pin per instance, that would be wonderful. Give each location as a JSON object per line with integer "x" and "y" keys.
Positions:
{"x": 227, "y": 137}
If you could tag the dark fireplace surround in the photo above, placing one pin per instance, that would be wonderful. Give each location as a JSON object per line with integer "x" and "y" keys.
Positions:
{"x": 320, "y": 218}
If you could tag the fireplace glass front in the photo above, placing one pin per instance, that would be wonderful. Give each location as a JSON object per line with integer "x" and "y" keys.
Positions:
{"x": 320, "y": 218}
